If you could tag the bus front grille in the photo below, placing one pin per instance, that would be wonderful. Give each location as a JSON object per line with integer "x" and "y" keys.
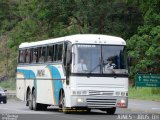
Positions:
{"x": 101, "y": 93}
{"x": 100, "y": 103}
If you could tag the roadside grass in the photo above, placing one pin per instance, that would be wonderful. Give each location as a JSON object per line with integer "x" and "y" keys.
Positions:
{"x": 9, "y": 84}
{"x": 144, "y": 93}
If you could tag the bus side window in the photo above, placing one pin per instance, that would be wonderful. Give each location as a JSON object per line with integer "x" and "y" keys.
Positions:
{"x": 56, "y": 53}
{"x": 42, "y": 54}
{"x": 60, "y": 49}
{"x": 49, "y": 53}
{"x": 53, "y": 53}
{"x": 28, "y": 56}
{"x": 24, "y": 56}
{"x": 21, "y": 56}
{"x": 31, "y": 55}
{"x": 40, "y": 57}
{"x": 35, "y": 55}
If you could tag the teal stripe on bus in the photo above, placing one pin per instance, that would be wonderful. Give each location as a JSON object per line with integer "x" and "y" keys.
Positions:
{"x": 29, "y": 74}
{"x": 57, "y": 83}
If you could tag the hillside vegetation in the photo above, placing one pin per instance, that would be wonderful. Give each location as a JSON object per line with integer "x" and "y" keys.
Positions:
{"x": 137, "y": 21}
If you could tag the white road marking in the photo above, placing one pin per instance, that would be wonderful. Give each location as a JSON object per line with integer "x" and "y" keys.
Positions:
{"x": 10, "y": 109}
{"x": 155, "y": 108}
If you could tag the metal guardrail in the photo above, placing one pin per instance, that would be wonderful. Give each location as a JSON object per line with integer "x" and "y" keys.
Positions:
{"x": 10, "y": 94}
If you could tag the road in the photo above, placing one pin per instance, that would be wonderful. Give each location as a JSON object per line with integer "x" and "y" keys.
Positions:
{"x": 137, "y": 109}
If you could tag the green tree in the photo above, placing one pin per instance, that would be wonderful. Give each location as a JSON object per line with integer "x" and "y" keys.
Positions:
{"x": 144, "y": 47}
{"x": 32, "y": 20}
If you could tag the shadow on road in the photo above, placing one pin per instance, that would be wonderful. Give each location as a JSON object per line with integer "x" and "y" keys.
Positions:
{"x": 78, "y": 112}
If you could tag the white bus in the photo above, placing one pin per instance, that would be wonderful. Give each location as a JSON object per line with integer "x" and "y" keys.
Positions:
{"x": 86, "y": 71}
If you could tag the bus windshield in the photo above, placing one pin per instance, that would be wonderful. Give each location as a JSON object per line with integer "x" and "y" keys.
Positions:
{"x": 99, "y": 59}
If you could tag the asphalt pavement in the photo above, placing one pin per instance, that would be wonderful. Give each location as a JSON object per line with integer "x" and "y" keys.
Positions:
{"x": 137, "y": 110}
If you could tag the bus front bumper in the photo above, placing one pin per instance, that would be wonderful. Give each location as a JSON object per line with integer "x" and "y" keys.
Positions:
{"x": 99, "y": 102}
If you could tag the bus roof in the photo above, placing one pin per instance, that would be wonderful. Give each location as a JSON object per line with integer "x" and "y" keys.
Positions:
{"x": 79, "y": 38}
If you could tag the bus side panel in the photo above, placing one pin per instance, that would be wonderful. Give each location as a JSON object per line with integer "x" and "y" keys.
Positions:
{"x": 46, "y": 79}
{"x": 49, "y": 84}
{"x": 20, "y": 86}
{"x": 45, "y": 92}
{"x": 25, "y": 79}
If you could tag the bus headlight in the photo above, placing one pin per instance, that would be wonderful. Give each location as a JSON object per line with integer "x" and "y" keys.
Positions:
{"x": 79, "y": 92}
{"x": 123, "y": 101}
{"x": 80, "y": 100}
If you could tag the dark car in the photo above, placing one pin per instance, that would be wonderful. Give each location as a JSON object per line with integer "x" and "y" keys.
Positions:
{"x": 3, "y": 97}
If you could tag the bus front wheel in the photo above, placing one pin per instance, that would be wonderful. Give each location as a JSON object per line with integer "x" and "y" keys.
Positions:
{"x": 62, "y": 104}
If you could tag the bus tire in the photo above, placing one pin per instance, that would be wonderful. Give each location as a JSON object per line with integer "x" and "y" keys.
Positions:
{"x": 27, "y": 99}
{"x": 30, "y": 103}
{"x": 111, "y": 111}
{"x": 36, "y": 106}
{"x": 60, "y": 100}
{"x": 63, "y": 104}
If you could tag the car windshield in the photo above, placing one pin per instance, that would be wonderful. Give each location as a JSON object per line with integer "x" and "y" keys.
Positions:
{"x": 98, "y": 59}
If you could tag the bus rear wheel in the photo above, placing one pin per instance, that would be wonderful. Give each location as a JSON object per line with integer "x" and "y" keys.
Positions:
{"x": 27, "y": 98}
{"x": 30, "y": 102}
{"x": 36, "y": 106}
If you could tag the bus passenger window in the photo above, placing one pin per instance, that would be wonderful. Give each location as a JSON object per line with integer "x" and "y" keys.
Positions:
{"x": 27, "y": 55}
{"x": 35, "y": 55}
{"x": 49, "y": 53}
{"x": 56, "y": 53}
{"x": 31, "y": 55}
{"x": 42, "y": 54}
{"x": 54, "y": 58}
{"x": 44, "y": 51}
{"x": 60, "y": 49}
{"x": 21, "y": 56}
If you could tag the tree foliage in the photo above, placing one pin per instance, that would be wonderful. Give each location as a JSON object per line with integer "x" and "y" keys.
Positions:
{"x": 137, "y": 21}
{"x": 144, "y": 47}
